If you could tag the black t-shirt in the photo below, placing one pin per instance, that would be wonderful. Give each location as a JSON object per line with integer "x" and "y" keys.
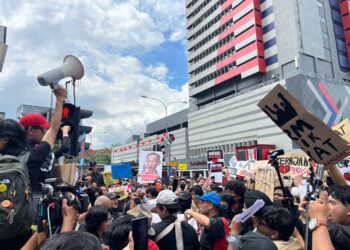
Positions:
{"x": 340, "y": 235}
{"x": 168, "y": 242}
{"x": 214, "y": 234}
{"x": 38, "y": 155}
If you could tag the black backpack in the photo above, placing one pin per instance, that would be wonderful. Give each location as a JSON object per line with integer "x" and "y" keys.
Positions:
{"x": 15, "y": 196}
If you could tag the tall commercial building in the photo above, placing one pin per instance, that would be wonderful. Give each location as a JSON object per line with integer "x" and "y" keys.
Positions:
{"x": 25, "y": 109}
{"x": 239, "y": 49}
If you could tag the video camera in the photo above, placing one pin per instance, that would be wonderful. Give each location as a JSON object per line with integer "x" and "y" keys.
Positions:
{"x": 50, "y": 204}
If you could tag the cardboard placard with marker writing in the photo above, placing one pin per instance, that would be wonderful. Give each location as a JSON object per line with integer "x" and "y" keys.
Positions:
{"x": 318, "y": 141}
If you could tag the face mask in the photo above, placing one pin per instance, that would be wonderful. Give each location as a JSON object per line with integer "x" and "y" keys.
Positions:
{"x": 145, "y": 200}
{"x": 182, "y": 186}
{"x": 224, "y": 206}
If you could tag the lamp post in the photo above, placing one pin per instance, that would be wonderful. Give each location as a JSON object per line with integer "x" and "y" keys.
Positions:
{"x": 165, "y": 105}
{"x": 3, "y": 45}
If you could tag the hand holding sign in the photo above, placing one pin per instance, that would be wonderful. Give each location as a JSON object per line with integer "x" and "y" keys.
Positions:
{"x": 316, "y": 139}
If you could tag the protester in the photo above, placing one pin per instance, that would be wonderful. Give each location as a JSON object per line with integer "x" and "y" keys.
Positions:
{"x": 215, "y": 229}
{"x": 40, "y": 138}
{"x": 170, "y": 233}
{"x": 13, "y": 143}
{"x": 151, "y": 198}
{"x": 338, "y": 223}
{"x": 96, "y": 177}
{"x": 97, "y": 221}
{"x": 236, "y": 189}
{"x": 117, "y": 234}
{"x": 278, "y": 224}
{"x": 140, "y": 212}
{"x": 71, "y": 241}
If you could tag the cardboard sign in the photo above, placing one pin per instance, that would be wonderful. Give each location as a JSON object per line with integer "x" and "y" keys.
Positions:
{"x": 150, "y": 166}
{"x": 343, "y": 129}
{"x": 313, "y": 136}
{"x": 121, "y": 171}
{"x": 182, "y": 167}
{"x": 215, "y": 161}
{"x": 265, "y": 180}
{"x": 295, "y": 162}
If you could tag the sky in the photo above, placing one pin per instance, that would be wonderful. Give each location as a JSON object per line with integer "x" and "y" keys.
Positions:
{"x": 128, "y": 48}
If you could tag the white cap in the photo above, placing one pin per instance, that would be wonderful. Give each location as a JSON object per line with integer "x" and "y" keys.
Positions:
{"x": 167, "y": 197}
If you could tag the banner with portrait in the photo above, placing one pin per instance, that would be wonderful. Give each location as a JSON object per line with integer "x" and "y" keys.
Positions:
{"x": 150, "y": 166}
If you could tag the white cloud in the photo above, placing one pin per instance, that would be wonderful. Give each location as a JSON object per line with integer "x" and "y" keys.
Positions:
{"x": 107, "y": 36}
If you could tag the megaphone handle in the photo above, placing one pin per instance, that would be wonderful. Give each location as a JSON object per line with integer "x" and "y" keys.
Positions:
{"x": 54, "y": 85}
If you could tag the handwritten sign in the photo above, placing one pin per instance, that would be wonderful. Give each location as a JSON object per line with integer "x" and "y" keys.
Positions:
{"x": 317, "y": 140}
{"x": 343, "y": 129}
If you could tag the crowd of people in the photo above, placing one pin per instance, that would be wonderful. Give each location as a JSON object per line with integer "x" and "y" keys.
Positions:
{"x": 182, "y": 213}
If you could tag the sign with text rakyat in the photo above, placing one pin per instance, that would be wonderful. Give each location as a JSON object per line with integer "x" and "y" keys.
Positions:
{"x": 313, "y": 136}
{"x": 215, "y": 161}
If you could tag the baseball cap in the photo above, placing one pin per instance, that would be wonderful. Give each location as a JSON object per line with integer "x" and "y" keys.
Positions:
{"x": 185, "y": 196}
{"x": 252, "y": 195}
{"x": 167, "y": 197}
{"x": 32, "y": 120}
{"x": 112, "y": 195}
{"x": 211, "y": 197}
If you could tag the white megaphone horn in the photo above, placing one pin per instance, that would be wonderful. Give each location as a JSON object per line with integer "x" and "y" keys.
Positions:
{"x": 72, "y": 67}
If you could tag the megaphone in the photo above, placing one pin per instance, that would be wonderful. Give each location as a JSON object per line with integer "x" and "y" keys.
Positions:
{"x": 72, "y": 67}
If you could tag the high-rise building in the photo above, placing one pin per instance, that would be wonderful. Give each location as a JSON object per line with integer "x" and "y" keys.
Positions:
{"x": 239, "y": 49}
{"x": 25, "y": 109}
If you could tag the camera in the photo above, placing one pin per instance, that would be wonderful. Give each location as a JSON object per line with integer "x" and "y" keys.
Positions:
{"x": 273, "y": 154}
{"x": 50, "y": 203}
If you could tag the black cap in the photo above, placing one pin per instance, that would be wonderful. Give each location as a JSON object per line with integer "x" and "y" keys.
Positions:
{"x": 252, "y": 195}
{"x": 255, "y": 241}
{"x": 185, "y": 196}
{"x": 93, "y": 163}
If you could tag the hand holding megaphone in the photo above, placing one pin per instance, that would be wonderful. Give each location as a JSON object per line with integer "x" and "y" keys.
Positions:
{"x": 72, "y": 67}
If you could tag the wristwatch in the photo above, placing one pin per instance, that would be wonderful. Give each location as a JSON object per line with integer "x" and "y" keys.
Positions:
{"x": 316, "y": 223}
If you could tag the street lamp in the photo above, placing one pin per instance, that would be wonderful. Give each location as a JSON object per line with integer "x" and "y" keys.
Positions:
{"x": 3, "y": 45}
{"x": 165, "y": 105}
{"x": 92, "y": 135}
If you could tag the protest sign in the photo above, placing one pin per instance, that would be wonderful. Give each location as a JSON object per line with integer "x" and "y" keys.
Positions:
{"x": 150, "y": 166}
{"x": 343, "y": 129}
{"x": 245, "y": 168}
{"x": 295, "y": 162}
{"x": 344, "y": 169}
{"x": 313, "y": 136}
{"x": 265, "y": 177}
{"x": 215, "y": 161}
{"x": 121, "y": 171}
{"x": 232, "y": 170}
